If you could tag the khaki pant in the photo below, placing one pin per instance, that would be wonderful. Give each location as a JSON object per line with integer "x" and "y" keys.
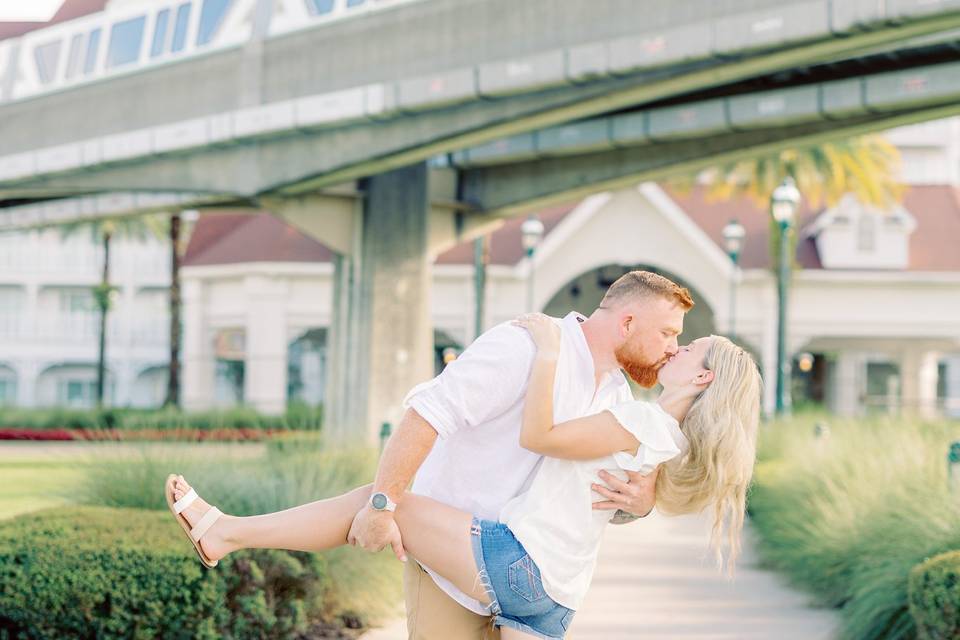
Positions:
{"x": 433, "y": 615}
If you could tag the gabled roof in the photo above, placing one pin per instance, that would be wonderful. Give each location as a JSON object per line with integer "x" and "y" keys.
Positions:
{"x": 226, "y": 238}
{"x": 235, "y": 237}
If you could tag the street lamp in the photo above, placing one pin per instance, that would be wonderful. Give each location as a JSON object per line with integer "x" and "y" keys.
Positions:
{"x": 733, "y": 234}
{"x": 531, "y": 232}
{"x": 783, "y": 207}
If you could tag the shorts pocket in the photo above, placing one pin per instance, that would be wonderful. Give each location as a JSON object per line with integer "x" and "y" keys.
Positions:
{"x": 524, "y": 577}
{"x": 567, "y": 619}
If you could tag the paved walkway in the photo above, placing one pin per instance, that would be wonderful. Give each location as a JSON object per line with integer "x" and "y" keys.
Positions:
{"x": 654, "y": 582}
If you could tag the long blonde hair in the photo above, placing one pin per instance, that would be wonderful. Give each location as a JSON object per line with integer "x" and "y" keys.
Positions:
{"x": 721, "y": 427}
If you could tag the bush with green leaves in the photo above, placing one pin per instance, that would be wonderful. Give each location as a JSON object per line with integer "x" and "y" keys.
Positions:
{"x": 849, "y": 514}
{"x": 86, "y": 572}
{"x": 934, "y": 594}
{"x": 298, "y": 416}
{"x": 250, "y": 479}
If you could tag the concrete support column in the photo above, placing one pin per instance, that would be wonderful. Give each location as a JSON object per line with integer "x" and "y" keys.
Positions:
{"x": 337, "y": 397}
{"x": 382, "y": 341}
{"x": 848, "y": 383}
{"x": 918, "y": 375}
{"x": 265, "y": 365}
{"x": 198, "y": 360}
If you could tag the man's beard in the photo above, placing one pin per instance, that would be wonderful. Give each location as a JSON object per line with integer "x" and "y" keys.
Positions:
{"x": 640, "y": 369}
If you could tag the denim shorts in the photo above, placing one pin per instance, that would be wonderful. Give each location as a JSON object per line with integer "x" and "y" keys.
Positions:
{"x": 512, "y": 581}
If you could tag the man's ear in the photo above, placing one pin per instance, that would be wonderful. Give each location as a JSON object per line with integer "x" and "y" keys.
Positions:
{"x": 626, "y": 324}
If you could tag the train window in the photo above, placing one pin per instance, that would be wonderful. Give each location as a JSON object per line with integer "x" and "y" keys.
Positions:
{"x": 47, "y": 56}
{"x": 354, "y": 3}
{"x": 319, "y": 7}
{"x": 160, "y": 33}
{"x": 74, "y": 57}
{"x": 211, "y": 16}
{"x": 93, "y": 45}
{"x": 125, "y": 39}
{"x": 180, "y": 27}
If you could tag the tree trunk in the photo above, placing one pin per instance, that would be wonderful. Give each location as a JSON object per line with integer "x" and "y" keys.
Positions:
{"x": 104, "y": 304}
{"x": 173, "y": 380}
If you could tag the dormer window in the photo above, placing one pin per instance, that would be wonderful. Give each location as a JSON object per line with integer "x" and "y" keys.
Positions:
{"x": 855, "y": 236}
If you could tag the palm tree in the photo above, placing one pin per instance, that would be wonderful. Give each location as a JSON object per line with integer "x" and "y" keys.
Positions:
{"x": 865, "y": 166}
{"x": 103, "y": 232}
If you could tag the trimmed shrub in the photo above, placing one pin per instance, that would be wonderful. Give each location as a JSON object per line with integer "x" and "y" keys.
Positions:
{"x": 99, "y": 572}
{"x": 934, "y": 595}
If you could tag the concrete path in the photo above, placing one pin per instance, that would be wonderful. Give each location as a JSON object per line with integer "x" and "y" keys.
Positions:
{"x": 656, "y": 582}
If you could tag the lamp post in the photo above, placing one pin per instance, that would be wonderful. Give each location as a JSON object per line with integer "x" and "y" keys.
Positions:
{"x": 733, "y": 234}
{"x": 531, "y": 232}
{"x": 783, "y": 207}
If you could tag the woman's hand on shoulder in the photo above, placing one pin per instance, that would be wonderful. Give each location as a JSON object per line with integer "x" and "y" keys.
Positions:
{"x": 544, "y": 331}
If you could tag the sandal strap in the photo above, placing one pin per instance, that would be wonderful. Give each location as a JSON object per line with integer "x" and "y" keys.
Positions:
{"x": 205, "y": 523}
{"x": 185, "y": 501}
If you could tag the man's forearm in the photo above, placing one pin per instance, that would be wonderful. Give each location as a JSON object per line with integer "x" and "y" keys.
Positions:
{"x": 405, "y": 452}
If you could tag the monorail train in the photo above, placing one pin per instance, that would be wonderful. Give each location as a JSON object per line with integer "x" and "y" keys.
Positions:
{"x": 131, "y": 37}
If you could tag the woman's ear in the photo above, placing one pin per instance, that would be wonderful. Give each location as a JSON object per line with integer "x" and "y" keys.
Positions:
{"x": 704, "y": 377}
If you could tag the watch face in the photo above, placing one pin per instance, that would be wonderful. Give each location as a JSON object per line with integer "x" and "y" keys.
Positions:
{"x": 379, "y": 501}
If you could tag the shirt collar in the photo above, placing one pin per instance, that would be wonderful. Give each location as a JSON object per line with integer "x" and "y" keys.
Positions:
{"x": 572, "y": 322}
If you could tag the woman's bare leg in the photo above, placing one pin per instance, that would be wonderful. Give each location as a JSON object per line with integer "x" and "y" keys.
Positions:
{"x": 436, "y": 534}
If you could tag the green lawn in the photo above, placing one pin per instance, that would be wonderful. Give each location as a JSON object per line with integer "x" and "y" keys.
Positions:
{"x": 28, "y": 485}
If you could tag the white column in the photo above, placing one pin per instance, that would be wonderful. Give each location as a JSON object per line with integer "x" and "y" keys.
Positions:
{"x": 848, "y": 383}
{"x": 918, "y": 375}
{"x": 198, "y": 362}
{"x": 265, "y": 370}
{"x": 27, "y": 374}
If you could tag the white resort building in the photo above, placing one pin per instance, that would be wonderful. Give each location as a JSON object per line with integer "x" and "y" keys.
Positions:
{"x": 874, "y": 311}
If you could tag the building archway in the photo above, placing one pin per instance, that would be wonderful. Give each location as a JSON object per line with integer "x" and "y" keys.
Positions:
{"x": 585, "y": 291}
{"x": 150, "y": 387}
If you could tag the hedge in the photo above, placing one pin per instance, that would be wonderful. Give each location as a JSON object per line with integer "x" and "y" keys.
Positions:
{"x": 934, "y": 596}
{"x": 86, "y": 572}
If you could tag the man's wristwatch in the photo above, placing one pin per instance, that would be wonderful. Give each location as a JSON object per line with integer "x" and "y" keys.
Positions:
{"x": 382, "y": 502}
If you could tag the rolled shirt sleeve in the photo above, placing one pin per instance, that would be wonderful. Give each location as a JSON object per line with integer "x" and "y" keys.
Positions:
{"x": 658, "y": 432}
{"x": 488, "y": 378}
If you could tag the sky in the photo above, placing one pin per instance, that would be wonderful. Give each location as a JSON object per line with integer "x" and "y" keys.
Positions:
{"x": 28, "y": 10}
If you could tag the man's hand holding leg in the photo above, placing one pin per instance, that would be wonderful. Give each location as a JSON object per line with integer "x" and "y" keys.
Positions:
{"x": 373, "y": 530}
{"x": 633, "y": 499}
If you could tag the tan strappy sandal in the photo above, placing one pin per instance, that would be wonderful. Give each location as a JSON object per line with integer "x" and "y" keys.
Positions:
{"x": 202, "y": 526}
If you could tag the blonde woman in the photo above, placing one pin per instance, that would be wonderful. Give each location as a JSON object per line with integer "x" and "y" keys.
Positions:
{"x": 533, "y": 567}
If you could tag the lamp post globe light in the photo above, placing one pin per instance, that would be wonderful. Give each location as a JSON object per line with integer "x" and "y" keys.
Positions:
{"x": 531, "y": 232}
{"x": 783, "y": 207}
{"x": 733, "y": 234}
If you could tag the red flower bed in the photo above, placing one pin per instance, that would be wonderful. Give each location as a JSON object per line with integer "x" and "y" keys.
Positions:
{"x": 213, "y": 435}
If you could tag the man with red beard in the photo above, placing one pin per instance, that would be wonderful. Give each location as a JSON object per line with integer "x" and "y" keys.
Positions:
{"x": 460, "y": 432}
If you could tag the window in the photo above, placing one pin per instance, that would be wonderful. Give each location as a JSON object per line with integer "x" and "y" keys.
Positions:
{"x": 354, "y": 3}
{"x": 211, "y": 16}
{"x": 125, "y": 39}
{"x": 47, "y": 56}
{"x": 74, "y": 57}
{"x": 76, "y": 301}
{"x": 93, "y": 45}
{"x": 180, "y": 25}
{"x": 78, "y": 393}
{"x": 319, "y": 7}
{"x": 160, "y": 34}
